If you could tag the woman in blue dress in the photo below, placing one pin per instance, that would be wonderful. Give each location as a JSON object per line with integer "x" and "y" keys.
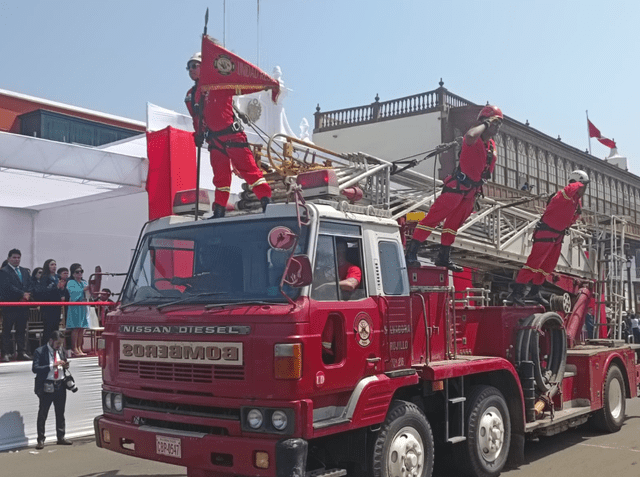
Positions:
{"x": 77, "y": 315}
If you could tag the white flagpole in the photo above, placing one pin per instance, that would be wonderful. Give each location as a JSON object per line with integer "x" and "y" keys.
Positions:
{"x": 588, "y": 132}
{"x": 258, "y": 34}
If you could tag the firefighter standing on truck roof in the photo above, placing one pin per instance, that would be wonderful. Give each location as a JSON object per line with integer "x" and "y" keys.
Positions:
{"x": 227, "y": 142}
{"x": 455, "y": 204}
{"x": 562, "y": 211}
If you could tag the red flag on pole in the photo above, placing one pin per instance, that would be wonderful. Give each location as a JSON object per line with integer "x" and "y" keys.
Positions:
{"x": 595, "y": 132}
{"x": 220, "y": 69}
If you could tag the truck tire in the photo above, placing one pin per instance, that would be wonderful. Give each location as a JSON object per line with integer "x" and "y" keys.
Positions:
{"x": 611, "y": 416}
{"x": 486, "y": 449}
{"x": 404, "y": 444}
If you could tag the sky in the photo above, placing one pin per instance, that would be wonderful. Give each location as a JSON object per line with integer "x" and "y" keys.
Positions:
{"x": 547, "y": 62}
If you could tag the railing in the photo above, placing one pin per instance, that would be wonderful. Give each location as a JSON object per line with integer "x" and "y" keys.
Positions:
{"x": 393, "y": 109}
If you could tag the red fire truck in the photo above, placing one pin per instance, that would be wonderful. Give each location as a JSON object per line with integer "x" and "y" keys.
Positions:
{"x": 237, "y": 349}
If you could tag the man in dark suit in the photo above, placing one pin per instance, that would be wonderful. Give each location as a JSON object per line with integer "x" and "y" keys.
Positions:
{"x": 16, "y": 286}
{"x": 49, "y": 363}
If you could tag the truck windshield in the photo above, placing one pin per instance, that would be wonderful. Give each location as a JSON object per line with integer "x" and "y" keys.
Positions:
{"x": 212, "y": 263}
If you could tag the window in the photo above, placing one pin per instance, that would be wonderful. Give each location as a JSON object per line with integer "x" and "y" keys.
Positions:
{"x": 553, "y": 181}
{"x": 533, "y": 169}
{"x": 394, "y": 276}
{"x": 338, "y": 264}
{"x": 217, "y": 263}
{"x": 522, "y": 164}
{"x": 600, "y": 191}
{"x": 70, "y": 129}
{"x": 499, "y": 170}
{"x": 512, "y": 166}
{"x": 561, "y": 172}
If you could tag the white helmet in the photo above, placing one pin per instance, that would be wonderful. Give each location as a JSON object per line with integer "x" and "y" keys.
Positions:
{"x": 195, "y": 57}
{"x": 579, "y": 176}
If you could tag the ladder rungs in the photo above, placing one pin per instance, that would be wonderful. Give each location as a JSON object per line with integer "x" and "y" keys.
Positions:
{"x": 456, "y": 400}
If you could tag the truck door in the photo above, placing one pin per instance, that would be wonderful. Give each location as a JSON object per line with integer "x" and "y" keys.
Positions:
{"x": 395, "y": 305}
{"x": 341, "y": 310}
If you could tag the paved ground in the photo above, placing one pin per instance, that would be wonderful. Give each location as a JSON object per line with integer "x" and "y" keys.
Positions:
{"x": 577, "y": 453}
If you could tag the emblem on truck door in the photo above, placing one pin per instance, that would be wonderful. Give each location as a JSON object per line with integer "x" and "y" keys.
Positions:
{"x": 363, "y": 328}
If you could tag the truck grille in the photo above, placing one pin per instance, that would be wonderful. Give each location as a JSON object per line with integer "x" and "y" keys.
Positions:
{"x": 181, "y": 372}
{"x": 194, "y": 410}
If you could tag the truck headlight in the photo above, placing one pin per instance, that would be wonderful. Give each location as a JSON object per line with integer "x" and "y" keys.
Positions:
{"x": 117, "y": 402}
{"x": 279, "y": 420}
{"x": 254, "y": 418}
{"x": 107, "y": 401}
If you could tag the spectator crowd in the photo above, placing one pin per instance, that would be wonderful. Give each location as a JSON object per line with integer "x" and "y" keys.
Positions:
{"x": 45, "y": 284}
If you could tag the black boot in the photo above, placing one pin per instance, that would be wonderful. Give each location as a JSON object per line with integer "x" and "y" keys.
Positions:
{"x": 444, "y": 259}
{"x": 218, "y": 211}
{"x": 517, "y": 295}
{"x": 535, "y": 295}
{"x": 412, "y": 254}
{"x": 264, "y": 202}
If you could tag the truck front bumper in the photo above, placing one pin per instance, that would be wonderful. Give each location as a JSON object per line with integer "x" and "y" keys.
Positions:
{"x": 204, "y": 454}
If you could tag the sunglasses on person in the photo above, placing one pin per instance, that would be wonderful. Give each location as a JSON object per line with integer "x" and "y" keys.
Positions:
{"x": 192, "y": 66}
{"x": 79, "y": 271}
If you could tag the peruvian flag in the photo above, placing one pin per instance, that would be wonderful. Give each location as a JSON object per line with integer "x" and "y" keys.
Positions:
{"x": 595, "y": 132}
{"x": 221, "y": 69}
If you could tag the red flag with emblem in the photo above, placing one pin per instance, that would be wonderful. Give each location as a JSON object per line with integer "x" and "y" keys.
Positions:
{"x": 221, "y": 69}
{"x": 595, "y": 132}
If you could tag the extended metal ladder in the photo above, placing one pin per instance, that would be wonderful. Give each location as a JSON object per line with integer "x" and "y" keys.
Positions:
{"x": 498, "y": 235}
{"x": 611, "y": 262}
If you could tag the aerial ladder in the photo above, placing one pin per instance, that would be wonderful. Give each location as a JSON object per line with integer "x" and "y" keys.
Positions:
{"x": 497, "y": 236}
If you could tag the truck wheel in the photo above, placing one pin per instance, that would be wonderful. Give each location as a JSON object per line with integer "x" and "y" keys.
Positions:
{"x": 404, "y": 445}
{"x": 486, "y": 449}
{"x": 611, "y": 416}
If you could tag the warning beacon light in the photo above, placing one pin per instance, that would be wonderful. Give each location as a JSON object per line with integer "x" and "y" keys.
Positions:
{"x": 184, "y": 202}
{"x": 320, "y": 183}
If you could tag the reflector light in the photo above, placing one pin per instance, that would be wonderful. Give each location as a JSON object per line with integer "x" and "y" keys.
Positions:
{"x": 262, "y": 460}
{"x": 189, "y": 197}
{"x": 320, "y": 183}
{"x": 288, "y": 361}
{"x": 324, "y": 177}
{"x": 184, "y": 202}
{"x": 106, "y": 436}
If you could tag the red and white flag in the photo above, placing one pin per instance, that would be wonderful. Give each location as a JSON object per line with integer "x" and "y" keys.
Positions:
{"x": 595, "y": 132}
{"x": 221, "y": 69}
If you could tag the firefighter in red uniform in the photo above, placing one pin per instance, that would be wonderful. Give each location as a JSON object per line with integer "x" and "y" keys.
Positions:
{"x": 562, "y": 211}
{"x": 227, "y": 142}
{"x": 455, "y": 203}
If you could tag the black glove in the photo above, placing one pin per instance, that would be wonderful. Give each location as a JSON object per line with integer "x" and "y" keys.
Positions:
{"x": 198, "y": 139}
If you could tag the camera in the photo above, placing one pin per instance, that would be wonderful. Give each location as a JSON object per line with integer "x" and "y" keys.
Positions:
{"x": 70, "y": 383}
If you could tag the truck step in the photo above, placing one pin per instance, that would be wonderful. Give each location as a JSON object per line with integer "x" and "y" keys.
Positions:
{"x": 456, "y": 400}
{"x": 455, "y": 440}
{"x": 327, "y": 473}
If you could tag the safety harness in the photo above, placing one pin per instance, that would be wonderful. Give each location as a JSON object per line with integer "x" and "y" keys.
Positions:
{"x": 212, "y": 136}
{"x": 544, "y": 227}
{"x": 462, "y": 179}
{"x": 222, "y": 146}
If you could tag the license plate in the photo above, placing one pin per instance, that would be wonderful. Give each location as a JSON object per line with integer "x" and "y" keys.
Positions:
{"x": 169, "y": 446}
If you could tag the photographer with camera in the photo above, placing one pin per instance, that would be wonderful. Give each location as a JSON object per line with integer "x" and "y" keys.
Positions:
{"x": 50, "y": 366}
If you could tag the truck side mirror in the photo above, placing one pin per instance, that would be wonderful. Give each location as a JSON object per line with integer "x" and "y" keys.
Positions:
{"x": 298, "y": 273}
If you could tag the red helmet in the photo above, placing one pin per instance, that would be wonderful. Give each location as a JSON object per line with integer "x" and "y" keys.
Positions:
{"x": 490, "y": 111}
